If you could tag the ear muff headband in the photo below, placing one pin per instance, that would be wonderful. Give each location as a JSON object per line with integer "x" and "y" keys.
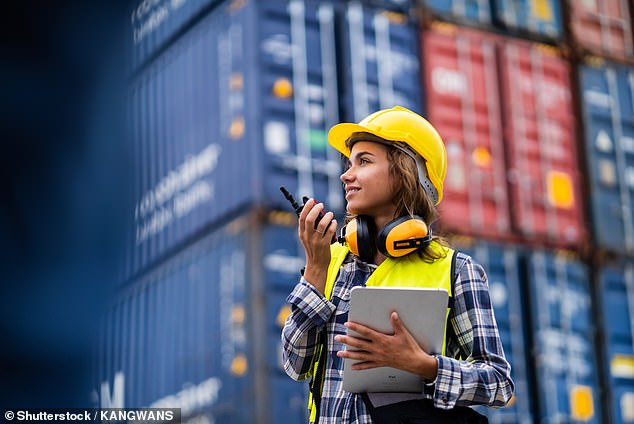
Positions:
{"x": 403, "y": 236}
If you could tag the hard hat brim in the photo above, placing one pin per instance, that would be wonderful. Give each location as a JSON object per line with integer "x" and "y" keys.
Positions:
{"x": 340, "y": 133}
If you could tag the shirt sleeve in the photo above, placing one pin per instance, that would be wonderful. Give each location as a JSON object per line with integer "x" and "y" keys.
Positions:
{"x": 310, "y": 311}
{"x": 475, "y": 370}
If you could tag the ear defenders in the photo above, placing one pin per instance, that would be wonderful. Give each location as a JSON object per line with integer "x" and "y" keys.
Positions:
{"x": 398, "y": 238}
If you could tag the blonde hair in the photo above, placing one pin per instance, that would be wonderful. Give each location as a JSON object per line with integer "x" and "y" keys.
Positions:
{"x": 408, "y": 195}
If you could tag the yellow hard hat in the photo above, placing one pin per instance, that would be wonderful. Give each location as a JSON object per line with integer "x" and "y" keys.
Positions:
{"x": 399, "y": 126}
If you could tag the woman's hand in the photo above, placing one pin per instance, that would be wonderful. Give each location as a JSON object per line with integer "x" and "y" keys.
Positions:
{"x": 316, "y": 242}
{"x": 376, "y": 349}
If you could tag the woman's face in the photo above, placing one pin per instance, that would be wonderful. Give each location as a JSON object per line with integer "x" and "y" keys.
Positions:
{"x": 367, "y": 181}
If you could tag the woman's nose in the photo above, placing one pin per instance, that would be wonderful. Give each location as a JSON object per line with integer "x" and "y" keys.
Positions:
{"x": 346, "y": 176}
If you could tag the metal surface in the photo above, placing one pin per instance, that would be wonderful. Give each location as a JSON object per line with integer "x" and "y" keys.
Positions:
{"x": 617, "y": 288}
{"x": 607, "y": 91}
{"x": 530, "y": 17}
{"x": 539, "y": 134}
{"x": 602, "y": 27}
{"x": 562, "y": 331}
{"x": 202, "y": 332}
{"x": 502, "y": 266}
{"x": 463, "y": 103}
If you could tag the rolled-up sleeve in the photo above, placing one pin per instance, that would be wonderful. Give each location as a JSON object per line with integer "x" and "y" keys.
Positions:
{"x": 481, "y": 374}
{"x": 310, "y": 311}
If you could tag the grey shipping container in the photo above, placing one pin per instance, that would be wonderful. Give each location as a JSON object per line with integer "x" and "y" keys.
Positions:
{"x": 241, "y": 104}
{"x": 202, "y": 331}
{"x": 607, "y": 93}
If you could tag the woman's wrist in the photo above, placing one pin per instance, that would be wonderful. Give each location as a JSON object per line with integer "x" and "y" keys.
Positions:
{"x": 316, "y": 277}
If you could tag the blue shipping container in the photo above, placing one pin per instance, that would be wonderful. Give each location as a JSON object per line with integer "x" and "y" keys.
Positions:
{"x": 381, "y": 67}
{"x": 501, "y": 263}
{"x": 563, "y": 351}
{"x": 241, "y": 105}
{"x": 465, "y": 11}
{"x": 617, "y": 296}
{"x": 539, "y": 17}
{"x": 154, "y": 23}
{"x": 202, "y": 331}
{"x": 608, "y": 94}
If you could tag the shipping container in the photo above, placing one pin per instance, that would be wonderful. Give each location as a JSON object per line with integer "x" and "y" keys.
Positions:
{"x": 562, "y": 334}
{"x": 470, "y": 12}
{"x": 155, "y": 23}
{"x": 202, "y": 331}
{"x": 463, "y": 104}
{"x": 532, "y": 18}
{"x": 501, "y": 263}
{"x": 616, "y": 283}
{"x": 541, "y": 145}
{"x": 241, "y": 104}
{"x": 607, "y": 94}
{"x": 602, "y": 28}
{"x": 381, "y": 66}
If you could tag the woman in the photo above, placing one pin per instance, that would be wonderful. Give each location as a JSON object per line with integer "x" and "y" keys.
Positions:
{"x": 396, "y": 167}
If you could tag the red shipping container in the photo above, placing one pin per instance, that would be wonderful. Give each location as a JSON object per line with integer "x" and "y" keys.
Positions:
{"x": 463, "y": 103}
{"x": 503, "y": 107}
{"x": 540, "y": 141}
{"x": 602, "y": 27}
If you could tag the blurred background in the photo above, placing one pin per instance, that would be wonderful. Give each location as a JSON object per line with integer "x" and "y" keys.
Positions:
{"x": 159, "y": 233}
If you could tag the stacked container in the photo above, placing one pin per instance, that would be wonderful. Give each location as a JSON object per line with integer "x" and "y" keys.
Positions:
{"x": 229, "y": 102}
{"x": 232, "y": 99}
{"x": 504, "y": 109}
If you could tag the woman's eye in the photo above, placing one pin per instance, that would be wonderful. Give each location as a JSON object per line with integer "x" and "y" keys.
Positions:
{"x": 363, "y": 161}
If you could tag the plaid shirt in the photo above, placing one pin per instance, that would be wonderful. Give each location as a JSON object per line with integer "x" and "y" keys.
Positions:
{"x": 483, "y": 378}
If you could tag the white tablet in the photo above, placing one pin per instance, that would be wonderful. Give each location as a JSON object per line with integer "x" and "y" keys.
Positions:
{"x": 422, "y": 311}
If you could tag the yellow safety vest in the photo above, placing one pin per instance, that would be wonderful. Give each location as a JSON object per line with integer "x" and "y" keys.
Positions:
{"x": 407, "y": 271}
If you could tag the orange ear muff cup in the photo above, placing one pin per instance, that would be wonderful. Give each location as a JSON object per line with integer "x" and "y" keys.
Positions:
{"x": 350, "y": 237}
{"x": 358, "y": 234}
{"x": 403, "y": 236}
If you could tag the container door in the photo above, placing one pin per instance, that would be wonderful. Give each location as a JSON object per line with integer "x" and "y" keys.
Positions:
{"x": 464, "y": 106}
{"x": 297, "y": 53}
{"x": 540, "y": 137}
{"x": 501, "y": 263}
{"x": 381, "y": 65}
{"x": 608, "y": 96}
{"x": 617, "y": 290}
{"x": 564, "y": 356}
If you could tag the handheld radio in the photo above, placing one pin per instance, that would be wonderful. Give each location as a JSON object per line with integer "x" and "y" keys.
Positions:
{"x": 297, "y": 207}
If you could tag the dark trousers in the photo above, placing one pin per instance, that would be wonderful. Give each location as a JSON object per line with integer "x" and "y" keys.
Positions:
{"x": 422, "y": 411}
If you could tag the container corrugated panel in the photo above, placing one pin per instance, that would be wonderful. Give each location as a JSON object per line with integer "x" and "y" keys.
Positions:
{"x": 501, "y": 263}
{"x": 381, "y": 67}
{"x": 563, "y": 350}
{"x": 153, "y": 23}
{"x": 602, "y": 27}
{"x": 228, "y": 114}
{"x": 180, "y": 338}
{"x": 607, "y": 93}
{"x": 463, "y": 103}
{"x": 539, "y": 134}
{"x": 202, "y": 331}
{"x": 617, "y": 290}
{"x": 539, "y": 17}
{"x": 466, "y": 11}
